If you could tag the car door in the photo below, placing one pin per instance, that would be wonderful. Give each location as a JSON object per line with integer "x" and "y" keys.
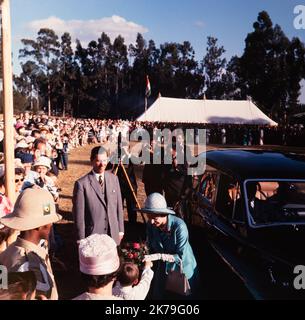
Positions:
{"x": 204, "y": 201}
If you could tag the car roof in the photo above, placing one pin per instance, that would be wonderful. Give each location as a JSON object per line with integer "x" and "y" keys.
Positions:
{"x": 256, "y": 164}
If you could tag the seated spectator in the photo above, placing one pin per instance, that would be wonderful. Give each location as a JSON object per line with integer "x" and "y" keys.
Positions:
{"x": 7, "y": 236}
{"x": 27, "y": 160}
{"x": 6, "y": 206}
{"x": 19, "y": 180}
{"x": 129, "y": 286}
{"x": 39, "y": 178}
{"x": 99, "y": 265}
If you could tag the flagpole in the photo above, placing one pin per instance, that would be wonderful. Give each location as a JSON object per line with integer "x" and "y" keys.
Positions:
{"x": 145, "y": 103}
{"x": 8, "y": 106}
{"x": 146, "y": 94}
{"x": 145, "y": 106}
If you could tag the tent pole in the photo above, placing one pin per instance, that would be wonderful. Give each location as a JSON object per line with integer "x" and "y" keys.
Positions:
{"x": 8, "y": 106}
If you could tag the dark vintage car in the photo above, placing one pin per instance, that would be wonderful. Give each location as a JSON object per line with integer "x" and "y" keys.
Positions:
{"x": 251, "y": 205}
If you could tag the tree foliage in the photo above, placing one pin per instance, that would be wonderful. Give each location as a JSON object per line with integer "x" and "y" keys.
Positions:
{"x": 108, "y": 78}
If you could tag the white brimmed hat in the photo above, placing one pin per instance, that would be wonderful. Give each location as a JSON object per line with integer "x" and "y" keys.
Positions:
{"x": 34, "y": 208}
{"x": 156, "y": 204}
{"x": 98, "y": 255}
{"x": 43, "y": 161}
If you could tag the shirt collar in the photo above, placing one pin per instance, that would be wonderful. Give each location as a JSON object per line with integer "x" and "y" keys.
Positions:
{"x": 40, "y": 251}
{"x": 97, "y": 175}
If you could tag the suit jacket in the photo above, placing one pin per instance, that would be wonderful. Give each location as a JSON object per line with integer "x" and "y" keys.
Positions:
{"x": 95, "y": 212}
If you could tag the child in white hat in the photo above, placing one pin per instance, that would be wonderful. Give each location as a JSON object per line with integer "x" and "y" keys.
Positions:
{"x": 39, "y": 179}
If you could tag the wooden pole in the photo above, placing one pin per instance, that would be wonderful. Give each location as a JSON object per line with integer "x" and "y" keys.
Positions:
{"x": 130, "y": 187}
{"x": 8, "y": 106}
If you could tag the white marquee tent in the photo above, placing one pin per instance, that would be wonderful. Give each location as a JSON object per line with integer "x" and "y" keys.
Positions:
{"x": 206, "y": 111}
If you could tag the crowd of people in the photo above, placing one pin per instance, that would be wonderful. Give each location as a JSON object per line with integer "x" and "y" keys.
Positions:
{"x": 27, "y": 237}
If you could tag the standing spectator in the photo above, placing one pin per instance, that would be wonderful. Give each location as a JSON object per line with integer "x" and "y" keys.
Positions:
{"x": 33, "y": 216}
{"x": 223, "y": 136}
{"x": 261, "y": 136}
{"x": 65, "y": 152}
{"x": 97, "y": 200}
{"x": 175, "y": 180}
{"x": 153, "y": 174}
{"x": 126, "y": 191}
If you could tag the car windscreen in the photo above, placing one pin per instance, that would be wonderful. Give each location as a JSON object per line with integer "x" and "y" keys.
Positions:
{"x": 273, "y": 202}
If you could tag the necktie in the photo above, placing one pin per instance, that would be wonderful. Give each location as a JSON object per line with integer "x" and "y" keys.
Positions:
{"x": 101, "y": 181}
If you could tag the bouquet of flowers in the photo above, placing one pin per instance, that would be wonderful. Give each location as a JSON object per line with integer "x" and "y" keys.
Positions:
{"x": 134, "y": 252}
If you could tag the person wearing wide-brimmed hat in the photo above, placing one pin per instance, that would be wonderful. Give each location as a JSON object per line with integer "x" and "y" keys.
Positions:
{"x": 33, "y": 215}
{"x": 168, "y": 241}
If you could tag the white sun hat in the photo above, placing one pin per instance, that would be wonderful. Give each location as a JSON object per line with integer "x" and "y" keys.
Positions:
{"x": 43, "y": 161}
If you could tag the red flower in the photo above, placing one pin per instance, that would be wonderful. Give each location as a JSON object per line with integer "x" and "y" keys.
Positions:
{"x": 130, "y": 255}
{"x": 136, "y": 246}
{"x": 135, "y": 255}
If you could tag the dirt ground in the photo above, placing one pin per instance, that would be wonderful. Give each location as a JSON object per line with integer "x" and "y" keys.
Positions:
{"x": 65, "y": 263}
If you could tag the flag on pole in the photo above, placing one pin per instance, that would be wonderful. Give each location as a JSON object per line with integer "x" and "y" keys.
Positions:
{"x": 148, "y": 87}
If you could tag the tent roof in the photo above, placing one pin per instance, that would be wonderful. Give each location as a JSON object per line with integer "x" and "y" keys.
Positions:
{"x": 205, "y": 111}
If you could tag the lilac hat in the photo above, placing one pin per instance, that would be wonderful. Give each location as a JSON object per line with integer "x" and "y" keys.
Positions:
{"x": 98, "y": 255}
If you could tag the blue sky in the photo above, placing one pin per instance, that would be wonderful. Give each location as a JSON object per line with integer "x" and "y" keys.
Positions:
{"x": 161, "y": 20}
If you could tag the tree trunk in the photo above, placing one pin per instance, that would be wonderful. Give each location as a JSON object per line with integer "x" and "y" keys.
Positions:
{"x": 64, "y": 105}
{"x": 49, "y": 99}
{"x": 31, "y": 99}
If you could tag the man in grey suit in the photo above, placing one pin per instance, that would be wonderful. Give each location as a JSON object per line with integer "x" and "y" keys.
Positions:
{"x": 97, "y": 201}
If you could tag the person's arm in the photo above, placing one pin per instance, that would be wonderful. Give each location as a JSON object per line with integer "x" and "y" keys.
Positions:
{"x": 79, "y": 210}
{"x": 181, "y": 241}
{"x": 140, "y": 291}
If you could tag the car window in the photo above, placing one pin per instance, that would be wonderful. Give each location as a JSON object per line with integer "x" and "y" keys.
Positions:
{"x": 238, "y": 206}
{"x": 228, "y": 197}
{"x": 276, "y": 201}
{"x": 208, "y": 186}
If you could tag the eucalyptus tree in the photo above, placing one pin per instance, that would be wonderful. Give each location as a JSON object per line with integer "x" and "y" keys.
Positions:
{"x": 45, "y": 52}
